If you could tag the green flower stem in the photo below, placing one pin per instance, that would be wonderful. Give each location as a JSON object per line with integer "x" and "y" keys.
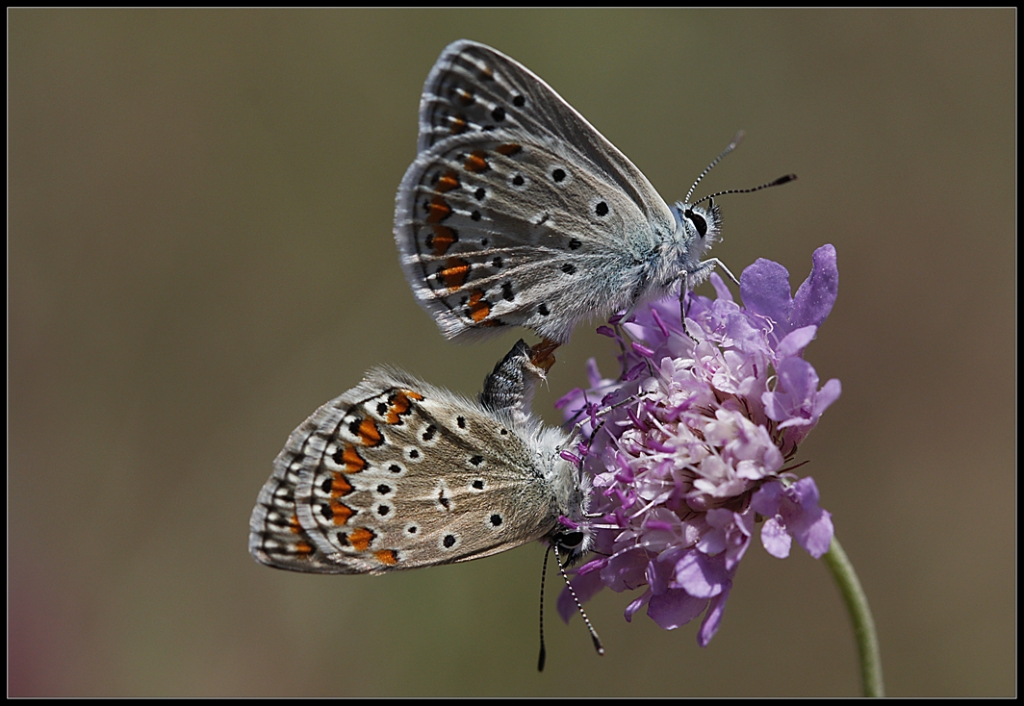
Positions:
{"x": 863, "y": 624}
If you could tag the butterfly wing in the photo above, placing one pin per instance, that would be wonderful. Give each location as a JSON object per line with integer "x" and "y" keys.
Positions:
{"x": 475, "y": 88}
{"x": 517, "y": 211}
{"x": 398, "y": 474}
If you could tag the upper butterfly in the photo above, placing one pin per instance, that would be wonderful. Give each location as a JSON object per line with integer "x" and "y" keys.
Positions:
{"x": 517, "y": 212}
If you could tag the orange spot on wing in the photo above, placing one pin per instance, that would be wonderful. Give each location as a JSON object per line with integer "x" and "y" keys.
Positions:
{"x": 303, "y": 548}
{"x": 449, "y": 181}
{"x": 369, "y": 434}
{"x": 399, "y": 405}
{"x": 360, "y": 538}
{"x": 293, "y": 524}
{"x": 414, "y": 395}
{"x": 340, "y": 512}
{"x": 509, "y": 149}
{"x": 455, "y": 272}
{"x": 476, "y": 163}
{"x": 479, "y": 308}
{"x": 388, "y": 557}
{"x": 442, "y": 239}
{"x": 439, "y": 210}
{"x": 352, "y": 460}
{"x": 340, "y": 487}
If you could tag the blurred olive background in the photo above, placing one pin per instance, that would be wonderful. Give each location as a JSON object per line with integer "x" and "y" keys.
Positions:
{"x": 200, "y": 254}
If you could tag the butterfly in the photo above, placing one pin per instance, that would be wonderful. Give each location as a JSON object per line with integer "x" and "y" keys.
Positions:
{"x": 399, "y": 474}
{"x": 518, "y": 212}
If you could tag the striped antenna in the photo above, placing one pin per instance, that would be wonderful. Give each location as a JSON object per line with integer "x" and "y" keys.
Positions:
{"x": 776, "y": 182}
{"x": 561, "y": 569}
{"x": 732, "y": 145}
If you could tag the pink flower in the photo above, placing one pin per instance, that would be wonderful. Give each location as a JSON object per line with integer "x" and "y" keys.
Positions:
{"x": 691, "y": 447}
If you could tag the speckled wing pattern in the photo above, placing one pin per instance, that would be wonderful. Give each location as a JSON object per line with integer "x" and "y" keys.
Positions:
{"x": 516, "y": 210}
{"x": 398, "y": 474}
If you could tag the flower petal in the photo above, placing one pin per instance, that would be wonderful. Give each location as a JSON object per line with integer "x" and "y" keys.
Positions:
{"x": 774, "y": 538}
{"x": 713, "y": 618}
{"x": 764, "y": 287}
{"x": 701, "y": 575}
{"x": 675, "y": 608}
{"x": 816, "y": 296}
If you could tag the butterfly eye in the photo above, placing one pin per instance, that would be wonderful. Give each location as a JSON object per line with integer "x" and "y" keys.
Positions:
{"x": 570, "y": 540}
{"x": 698, "y": 221}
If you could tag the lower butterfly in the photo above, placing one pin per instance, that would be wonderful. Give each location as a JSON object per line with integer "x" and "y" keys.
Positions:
{"x": 399, "y": 474}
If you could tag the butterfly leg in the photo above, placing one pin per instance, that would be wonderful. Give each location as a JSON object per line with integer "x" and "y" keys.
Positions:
{"x": 715, "y": 262}
{"x": 684, "y": 287}
{"x": 697, "y": 276}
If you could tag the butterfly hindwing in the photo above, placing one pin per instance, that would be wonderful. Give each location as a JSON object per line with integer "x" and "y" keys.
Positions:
{"x": 494, "y": 233}
{"x": 277, "y": 537}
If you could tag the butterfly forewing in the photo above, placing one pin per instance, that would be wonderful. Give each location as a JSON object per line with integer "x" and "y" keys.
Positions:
{"x": 397, "y": 474}
{"x": 474, "y": 88}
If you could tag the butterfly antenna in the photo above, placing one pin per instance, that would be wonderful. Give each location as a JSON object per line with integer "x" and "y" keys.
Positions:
{"x": 543, "y": 574}
{"x": 777, "y": 182}
{"x": 579, "y": 606}
{"x": 732, "y": 145}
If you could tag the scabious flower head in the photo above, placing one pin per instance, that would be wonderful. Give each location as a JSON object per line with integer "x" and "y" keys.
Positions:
{"x": 691, "y": 447}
